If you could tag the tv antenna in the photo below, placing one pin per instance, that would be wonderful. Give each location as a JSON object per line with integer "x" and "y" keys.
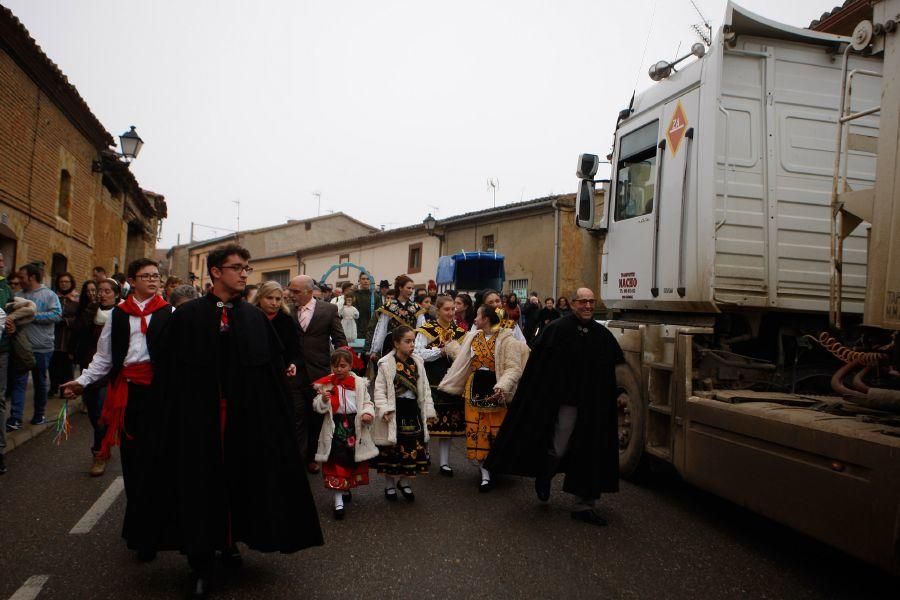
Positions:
{"x": 434, "y": 209}
{"x": 703, "y": 30}
{"x": 238, "y": 204}
{"x": 318, "y": 196}
{"x": 493, "y": 185}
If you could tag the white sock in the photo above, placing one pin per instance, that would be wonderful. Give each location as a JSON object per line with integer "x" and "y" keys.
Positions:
{"x": 485, "y": 474}
{"x": 339, "y": 500}
{"x": 444, "y": 449}
{"x": 403, "y": 483}
{"x": 389, "y": 482}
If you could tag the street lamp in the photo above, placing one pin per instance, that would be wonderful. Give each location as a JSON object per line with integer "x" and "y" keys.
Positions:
{"x": 429, "y": 224}
{"x": 131, "y": 144}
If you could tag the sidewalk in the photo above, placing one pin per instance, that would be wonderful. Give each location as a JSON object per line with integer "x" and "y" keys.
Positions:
{"x": 14, "y": 439}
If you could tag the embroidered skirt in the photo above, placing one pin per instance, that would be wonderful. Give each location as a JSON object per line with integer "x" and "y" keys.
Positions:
{"x": 483, "y": 415}
{"x": 409, "y": 456}
{"x": 451, "y": 418}
{"x": 342, "y": 472}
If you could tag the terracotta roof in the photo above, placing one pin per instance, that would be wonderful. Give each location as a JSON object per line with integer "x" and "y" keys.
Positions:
{"x": 843, "y": 19}
{"x": 18, "y": 43}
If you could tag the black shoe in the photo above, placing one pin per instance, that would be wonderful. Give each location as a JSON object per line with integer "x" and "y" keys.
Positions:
{"x": 231, "y": 558}
{"x": 200, "y": 584}
{"x": 2, "y": 465}
{"x": 542, "y": 488}
{"x": 390, "y": 494}
{"x": 486, "y": 485}
{"x": 407, "y": 492}
{"x": 348, "y": 497}
{"x": 13, "y": 425}
{"x": 339, "y": 514}
{"x": 39, "y": 421}
{"x": 446, "y": 471}
{"x": 589, "y": 516}
{"x": 146, "y": 555}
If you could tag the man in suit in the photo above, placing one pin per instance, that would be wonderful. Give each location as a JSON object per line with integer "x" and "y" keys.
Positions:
{"x": 320, "y": 329}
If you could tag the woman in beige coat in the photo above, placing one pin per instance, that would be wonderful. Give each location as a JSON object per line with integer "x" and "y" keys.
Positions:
{"x": 485, "y": 373}
{"x": 403, "y": 407}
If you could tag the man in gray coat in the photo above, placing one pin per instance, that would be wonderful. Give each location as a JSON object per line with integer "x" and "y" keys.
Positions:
{"x": 320, "y": 331}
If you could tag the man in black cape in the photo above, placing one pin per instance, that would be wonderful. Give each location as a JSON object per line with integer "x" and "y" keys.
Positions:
{"x": 563, "y": 418}
{"x": 239, "y": 473}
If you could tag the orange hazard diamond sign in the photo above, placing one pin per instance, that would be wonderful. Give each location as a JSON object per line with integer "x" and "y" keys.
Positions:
{"x": 677, "y": 128}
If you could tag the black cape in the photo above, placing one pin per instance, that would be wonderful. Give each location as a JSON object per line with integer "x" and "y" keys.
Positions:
{"x": 571, "y": 360}
{"x": 255, "y": 485}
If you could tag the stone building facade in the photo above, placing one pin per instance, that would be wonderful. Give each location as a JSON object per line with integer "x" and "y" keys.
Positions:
{"x": 66, "y": 200}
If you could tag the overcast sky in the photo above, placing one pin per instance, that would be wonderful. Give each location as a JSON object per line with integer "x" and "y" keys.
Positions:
{"x": 390, "y": 109}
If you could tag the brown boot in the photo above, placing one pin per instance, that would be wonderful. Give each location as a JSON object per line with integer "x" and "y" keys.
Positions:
{"x": 99, "y": 466}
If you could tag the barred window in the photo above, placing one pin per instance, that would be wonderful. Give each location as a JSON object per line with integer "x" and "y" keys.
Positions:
{"x": 519, "y": 287}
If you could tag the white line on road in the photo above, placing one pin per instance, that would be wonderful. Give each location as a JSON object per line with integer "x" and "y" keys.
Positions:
{"x": 95, "y": 513}
{"x": 31, "y": 588}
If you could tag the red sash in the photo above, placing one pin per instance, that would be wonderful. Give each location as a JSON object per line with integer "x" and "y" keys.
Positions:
{"x": 113, "y": 414}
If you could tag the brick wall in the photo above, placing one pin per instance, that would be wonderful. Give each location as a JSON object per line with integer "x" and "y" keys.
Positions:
{"x": 37, "y": 141}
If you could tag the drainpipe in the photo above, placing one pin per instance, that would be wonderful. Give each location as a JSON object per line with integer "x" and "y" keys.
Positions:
{"x": 555, "y": 245}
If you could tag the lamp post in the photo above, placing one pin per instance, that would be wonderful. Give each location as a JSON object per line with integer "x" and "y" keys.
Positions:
{"x": 430, "y": 222}
{"x": 131, "y": 144}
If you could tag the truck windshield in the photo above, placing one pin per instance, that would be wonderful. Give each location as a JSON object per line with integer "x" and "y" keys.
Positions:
{"x": 636, "y": 172}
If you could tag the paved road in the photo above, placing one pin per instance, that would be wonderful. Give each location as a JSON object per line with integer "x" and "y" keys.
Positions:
{"x": 664, "y": 541}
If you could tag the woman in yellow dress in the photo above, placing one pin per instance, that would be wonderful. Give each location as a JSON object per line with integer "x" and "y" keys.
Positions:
{"x": 485, "y": 373}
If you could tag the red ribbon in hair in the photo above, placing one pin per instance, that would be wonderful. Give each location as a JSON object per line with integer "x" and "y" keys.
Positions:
{"x": 356, "y": 364}
{"x": 347, "y": 382}
{"x": 113, "y": 413}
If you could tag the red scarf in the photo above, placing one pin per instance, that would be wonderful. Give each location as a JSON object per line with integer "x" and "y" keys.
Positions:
{"x": 348, "y": 383}
{"x": 130, "y": 306}
{"x": 113, "y": 413}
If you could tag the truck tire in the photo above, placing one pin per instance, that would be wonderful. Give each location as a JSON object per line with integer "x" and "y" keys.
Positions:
{"x": 632, "y": 422}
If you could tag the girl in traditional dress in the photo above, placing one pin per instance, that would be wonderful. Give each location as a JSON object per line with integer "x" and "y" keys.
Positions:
{"x": 486, "y": 372}
{"x": 437, "y": 343}
{"x": 349, "y": 314}
{"x": 398, "y": 311}
{"x": 345, "y": 441}
{"x": 465, "y": 310}
{"x": 492, "y": 298}
{"x": 403, "y": 407}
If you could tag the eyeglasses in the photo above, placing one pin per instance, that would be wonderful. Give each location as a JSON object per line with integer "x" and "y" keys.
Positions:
{"x": 238, "y": 268}
{"x": 148, "y": 277}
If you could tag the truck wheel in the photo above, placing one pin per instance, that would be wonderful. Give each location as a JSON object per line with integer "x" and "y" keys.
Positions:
{"x": 632, "y": 428}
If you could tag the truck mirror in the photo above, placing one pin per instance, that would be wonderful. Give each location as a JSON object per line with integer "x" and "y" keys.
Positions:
{"x": 587, "y": 166}
{"x": 584, "y": 204}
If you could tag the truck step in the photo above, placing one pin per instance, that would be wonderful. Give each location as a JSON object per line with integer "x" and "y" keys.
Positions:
{"x": 659, "y": 452}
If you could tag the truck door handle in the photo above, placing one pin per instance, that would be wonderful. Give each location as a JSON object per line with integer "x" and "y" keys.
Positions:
{"x": 689, "y": 134}
{"x": 657, "y": 197}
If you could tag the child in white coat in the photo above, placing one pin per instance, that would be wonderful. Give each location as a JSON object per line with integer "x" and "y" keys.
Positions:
{"x": 345, "y": 441}
{"x": 403, "y": 408}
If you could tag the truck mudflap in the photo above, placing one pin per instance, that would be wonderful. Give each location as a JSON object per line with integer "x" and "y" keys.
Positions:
{"x": 833, "y": 477}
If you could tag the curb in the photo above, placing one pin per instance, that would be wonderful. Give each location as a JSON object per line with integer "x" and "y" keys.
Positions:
{"x": 15, "y": 439}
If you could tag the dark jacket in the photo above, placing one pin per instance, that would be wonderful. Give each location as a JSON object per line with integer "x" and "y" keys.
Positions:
{"x": 5, "y": 296}
{"x": 248, "y": 479}
{"x": 575, "y": 363}
{"x": 324, "y": 330}
{"x": 289, "y": 335}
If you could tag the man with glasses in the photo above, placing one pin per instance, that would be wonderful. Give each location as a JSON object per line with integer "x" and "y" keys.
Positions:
{"x": 129, "y": 352}
{"x": 564, "y": 416}
{"x": 239, "y": 473}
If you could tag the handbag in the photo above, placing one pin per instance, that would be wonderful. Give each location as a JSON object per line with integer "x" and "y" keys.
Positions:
{"x": 21, "y": 356}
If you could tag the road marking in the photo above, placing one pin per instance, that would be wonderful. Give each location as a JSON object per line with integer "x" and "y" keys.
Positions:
{"x": 31, "y": 588}
{"x": 95, "y": 513}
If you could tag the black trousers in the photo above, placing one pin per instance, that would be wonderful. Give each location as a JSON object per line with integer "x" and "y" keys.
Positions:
{"x": 132, "y": 449}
